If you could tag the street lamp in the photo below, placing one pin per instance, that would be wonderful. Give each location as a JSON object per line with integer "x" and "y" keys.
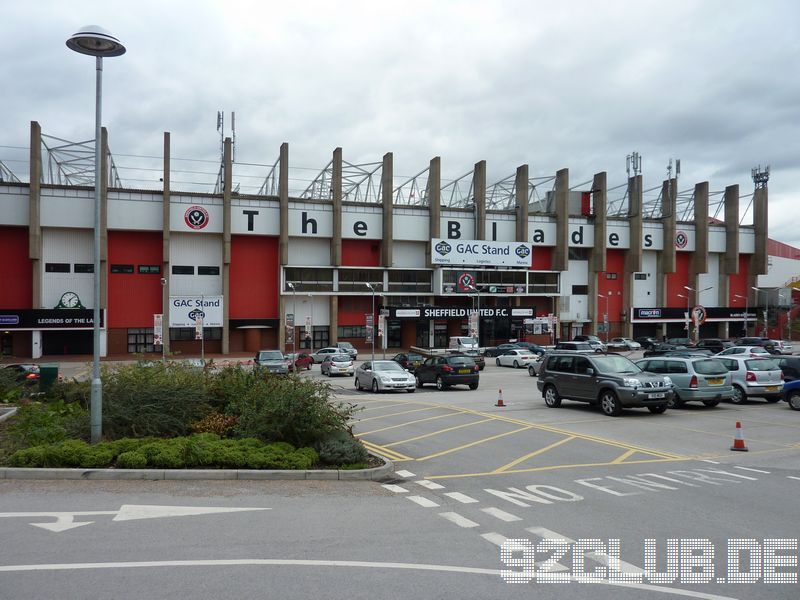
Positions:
{"x": 372, "y": 289}
{"x": 766, "y": 309}
{"x": 746, "y": 299}
{"x": 96, "y": 41}
{"x": 696, "y": 301}
{"x": 294, "y": 325}
{"x": 605, "y": 316}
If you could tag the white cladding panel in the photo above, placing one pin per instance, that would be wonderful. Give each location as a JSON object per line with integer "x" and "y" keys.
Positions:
{"x": 316, "y": 307}
{"x": 179, "y": 215}
{"x": 645, "y": 290}
{"x": 255, "y": 217}
{"x": 411, "y": 224}
{"x": 311, "y": 220}
{"x": 362, "y": 222}
{"x": 574, "y": 307}
{"x": 652, "y": 237}
{"x": 67, "y": 208}
{"x": 13, "y": 206}
{"x": 134, "y": 214}
{"x": 747, "y": 241}
{"x": 542, "y": 231}
{"x": 457, "y": 226}
{"x": 684, "y": 237}
{"x": 618, "y": 235}
{"x": 310, "y": 252}
{"x": 67, "y": 246}
{"x": 710, "y": 280}
{"x": 501, "y": 230}
{"x": 195, "y": 250}
{"x": 409, "y": 254}
{"x": 716, "y": 239}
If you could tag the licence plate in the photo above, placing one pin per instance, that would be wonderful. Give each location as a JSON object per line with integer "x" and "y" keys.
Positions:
{"x": 656, "y": 396}
{"x": 342, "y": 370}
{"x": 772, "y": 388}
{"x": 716, "y": 381}
{"x": 463, "y": 371}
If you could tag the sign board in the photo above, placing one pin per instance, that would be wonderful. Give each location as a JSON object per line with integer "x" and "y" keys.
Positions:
{"x": 473, "y": 324}
{"x": 184, "y": 311}
{"x": 53, "y": 318}
{"x": 699, "y": 315}
{"x": 481, "y": 253}
{"x": 679, "y": 315}
{"x": 290, "y": 328}
{"x": 198, "y": 328}
{"x": 381, "y": 325}
{"x": 158, "y": 333}
{"x": 308, "y": 328}
{"x": 370, "y": 325}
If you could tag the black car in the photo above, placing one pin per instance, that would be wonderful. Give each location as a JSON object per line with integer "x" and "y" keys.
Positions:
{"x": 448, "y": 370}
{"x": 715, "y": 345}
{"x": 662, "y": 348}
{"x": 408, "y": 361}
{"x": 534, "y": 348}
{"x": 474, "y": 355}
{"x": 501, "y": 349}
{"x": 646, "y": 342}
{"x": 790, "y": 365}
{"x": 27, "y": 373}
{"x": 686, "y": 342}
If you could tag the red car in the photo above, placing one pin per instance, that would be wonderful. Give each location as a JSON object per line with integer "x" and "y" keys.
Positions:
{"x": 304, "y": 361}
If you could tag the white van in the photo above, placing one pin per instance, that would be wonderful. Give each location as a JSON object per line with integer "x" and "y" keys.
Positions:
{"x": 462, "y": 343}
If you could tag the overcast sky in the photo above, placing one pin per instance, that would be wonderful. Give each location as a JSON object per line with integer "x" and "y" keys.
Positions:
{"x": 551, "y": 84}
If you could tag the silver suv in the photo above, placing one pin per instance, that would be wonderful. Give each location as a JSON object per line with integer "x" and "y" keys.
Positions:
{"x": 610, "y": 381}
{"x": 695, "y": 378}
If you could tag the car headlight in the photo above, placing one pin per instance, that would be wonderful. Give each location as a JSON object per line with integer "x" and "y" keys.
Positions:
{"x": 631, "y": 382}
{"x": 667, "y": 381}
{"x": 385, "y": 378}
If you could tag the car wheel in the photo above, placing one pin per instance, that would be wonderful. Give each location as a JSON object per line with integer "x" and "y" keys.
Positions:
{"x": 358, "y": 384}
{"x": 516, "y": 364}
{"x": 794, "y": 400}
{"x": 609, "y": 404}
{"x": 598, "y": 351}
{"x": 497, "y": 361}
{"x": 675, "y": 402}
{"x": 440, "y": 384}
{"x": 531, "y": 371}
{"x": 551, "y": 397}
{"x": 711, "y": 403}
{"x": 374, "y": 386}
{"x": 418, "y": 380}
{"x": 308, "y": 366}
{"x": 657, "y": 410}
{"x": 350, "y": 374}
{"x": 739, "y": 397}
{"x": 473, "y": 386}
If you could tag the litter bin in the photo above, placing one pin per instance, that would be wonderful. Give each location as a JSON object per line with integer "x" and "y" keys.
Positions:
{"x": 48, "y": 375}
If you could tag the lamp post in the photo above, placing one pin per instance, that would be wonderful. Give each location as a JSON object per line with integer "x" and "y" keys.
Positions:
{"x": 605, "y": 316}
{"x": 96, "y": 41}
{"x": 372, "y": 289}
{"x": 294, "y": 324}
{"x": 766, "y": 309}
{"x": 746, "y": 299}
{"x": 696, "y": 301}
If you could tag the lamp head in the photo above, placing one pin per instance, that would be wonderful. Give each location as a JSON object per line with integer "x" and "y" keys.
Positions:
{"x": 290, "y": 285}
{"x": 95, "y": 41}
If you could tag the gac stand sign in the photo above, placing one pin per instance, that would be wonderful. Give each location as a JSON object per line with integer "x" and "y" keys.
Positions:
{"x": 480, "y": 253}
{"x": 184, "y": 311}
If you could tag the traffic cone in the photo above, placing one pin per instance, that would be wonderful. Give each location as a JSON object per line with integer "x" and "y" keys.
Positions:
{"x": 500, "y": 398}
{"x": 738, "y": 441}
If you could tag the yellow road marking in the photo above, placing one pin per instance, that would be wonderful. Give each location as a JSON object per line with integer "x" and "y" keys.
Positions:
{"x": 427, "y": 435}
{"x": 451, "y": 414}
{"x": 623, "y": 456}
{"x": 515, "y": 462}
{"x": 368, "y": 408}
{"x": 729, "y": 436}
{"x": 402, "y": 412}
{"x": 390, "y": 454}
{"x": 475, "y": 443}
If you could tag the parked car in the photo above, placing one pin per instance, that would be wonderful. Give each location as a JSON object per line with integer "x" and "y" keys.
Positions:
{"x": 790, "y": 365}
{"x": 517, "y": 358}
{"x": 766, "y": 343}
{"x": 681, "y": 341}
{"x": 499, "y": 349}
{"x": 534, "y": 348}
{"x": 595, "y": 342}
{"x": 320, "y": 354}
{"x": 408, "y": 361}
{"x": 337, "y": 364}
{"x": 383, "y": 375}
{"x": 688, "y": 352}
{"x": 715, "y": 345}
{"x": 474, "y": 355}
{"x": 582, "y": 347}
{"x": 761, "y": 377}
{"x": 785, "y": 347}
{"x": 349, "y": 348}
{"x": 750, "y": 351}
{"x": 646, "y": 341}
{"x": 621, "y": 343}
{"x": 694, "y": 379}
{"x": 460, "y": 343}
{"x": 791, "y": 393}
{"x": 27, "y": 373}
{"x": 536, "y": 365}
{"x": 448, "y": 370}
{"x": 303, "y": 360}
{"x": 611, "y": 381}
{"x": 272, "y": 361}
{"x": 661, "y": 348}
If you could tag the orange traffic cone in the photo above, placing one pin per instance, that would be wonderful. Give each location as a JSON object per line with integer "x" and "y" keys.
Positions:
{"x": 738, "y": 441}
{"x": 500, "y": 398}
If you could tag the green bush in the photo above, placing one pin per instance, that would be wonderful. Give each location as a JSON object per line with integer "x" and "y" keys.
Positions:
{"x": 342, "y": 448}
{"x": 10, "y": 388}
{"x": 131, "y": 460}
{"x": 71, "y": 390}
{"x": 36, "y": 424}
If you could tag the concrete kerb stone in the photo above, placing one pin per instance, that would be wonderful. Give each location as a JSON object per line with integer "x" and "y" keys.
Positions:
{"x": 373, "y": 474}
{"x": 8, "y": 413}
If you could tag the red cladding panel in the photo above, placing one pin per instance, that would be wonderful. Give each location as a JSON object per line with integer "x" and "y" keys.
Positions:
{"x": 353, "y": 308}
{"x": 678, "y": 279}
{"x": 16, "y": 269}
{"x": 738, "y": 283}
{"x": 133, "y": 298}
{"x": 612, "y": 288}
{"x": 542, "y": 258}
{"x": 255, "y": 275}
{"x": 361, "y": 253}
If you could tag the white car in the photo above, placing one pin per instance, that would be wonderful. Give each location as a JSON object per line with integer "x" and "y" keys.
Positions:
{"x": 761, "y": 377}
{"x": 320, "y": 354}
{"x": 745, "y": 351}
{"x": 337, "y": 364}
{"x": 516, "y": 358}
{"x": 621, "y": 343}
{"x": 383, "y": 375}
{"x": 785, "y": 347}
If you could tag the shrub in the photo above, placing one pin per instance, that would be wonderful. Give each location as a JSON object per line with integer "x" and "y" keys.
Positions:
{"x": 10, "y": 388}
{"x": 36, "y": 424}
{"x": 70, "y": 391}
{"x": 131, "y": 460}
{"x": 214, "y": 423}
{"x": 342, "y": 448}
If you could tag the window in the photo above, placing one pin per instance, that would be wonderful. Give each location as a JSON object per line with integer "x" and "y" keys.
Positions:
{"x": 182, "y": 270}
{"x": 611, "y": 275}
{"x": 179, "y": 334}
{"x": 56, "y": 267}
{"x": 122, "y": 268}
{"x": 307, "y": 279}
{"x": 640, "y": 276}
{"x": 208, "y": 270}
{"x": 674, "y": 366}
{"x": 410, "y": 281}
{"x": 579, "y": 254}
{"x": 149, "y": 269}
{"x": 83, "y": 268}
{"x": 543, "y": 283}
{"x": 580, "y": 290}
{"x": 140, "y": 341}
{"x": 358, "y": 331}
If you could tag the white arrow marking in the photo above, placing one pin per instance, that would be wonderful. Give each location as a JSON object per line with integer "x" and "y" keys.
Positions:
{"x": 63, "y": 523}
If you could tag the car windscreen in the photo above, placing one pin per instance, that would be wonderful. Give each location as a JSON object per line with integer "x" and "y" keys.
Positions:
{"x": 761, "y": 364}
{"x": 341, "y": 358}
{"x": 709, "y": 367}
{"x": 461, "y": 361}
{"x": 386, "y": 366}
{"x": 616, "y": 364}
{"x": 270, "y": 355}
{"x": 412, "y": 356}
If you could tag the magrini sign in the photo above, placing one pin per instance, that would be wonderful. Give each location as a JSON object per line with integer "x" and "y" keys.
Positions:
{"x": 480, "y": 252}
{"x": 185, "y": 310}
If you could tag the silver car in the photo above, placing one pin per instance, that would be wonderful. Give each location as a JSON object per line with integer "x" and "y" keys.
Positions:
{"x": 337, "y": 364}
{"x": 383, "y": 375}
{"x": 760, "y": 377}
{"x": 748, "y": 351}
{"x": 619, "y": 343}
{"x": 694, "y": 379}
{"x": 272, "y": 361}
